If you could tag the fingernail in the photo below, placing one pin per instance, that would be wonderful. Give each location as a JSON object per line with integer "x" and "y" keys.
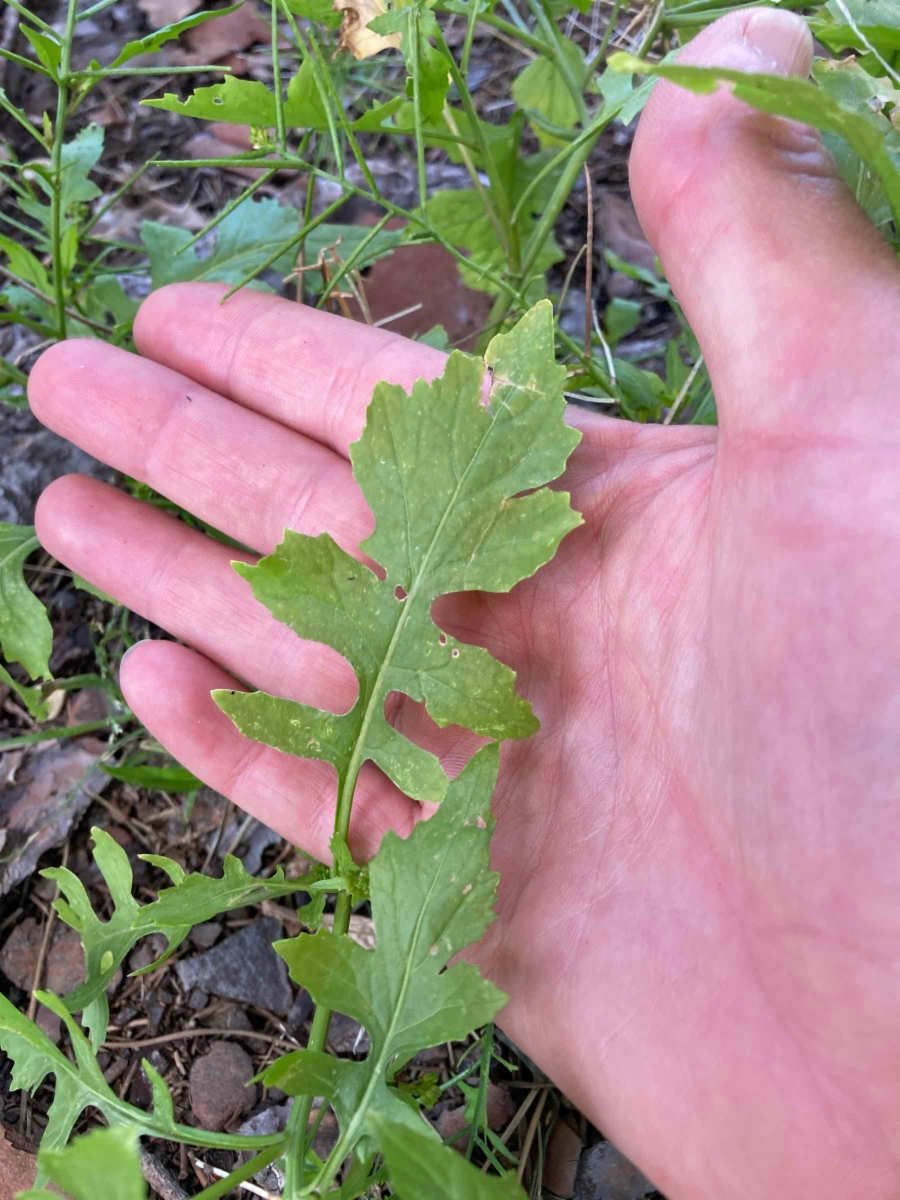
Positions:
{"x": 129, "y": 651}
{"x": 782, "y": 39}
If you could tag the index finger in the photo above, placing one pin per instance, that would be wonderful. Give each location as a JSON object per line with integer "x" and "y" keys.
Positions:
{"x": 307, "y": 369}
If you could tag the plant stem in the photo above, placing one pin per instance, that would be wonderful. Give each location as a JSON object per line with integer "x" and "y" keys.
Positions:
{"x": 59, "y": 133}
{"x": 417, "y": 105}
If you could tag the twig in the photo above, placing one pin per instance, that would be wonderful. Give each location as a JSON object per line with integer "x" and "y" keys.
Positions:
{"x": 162, "y": 1038}
{"x": 529, "y": 1135}
{"x": 404, "y": 312}
{"x": 247, "y": 1187}
{"x": 159, "y": 1178}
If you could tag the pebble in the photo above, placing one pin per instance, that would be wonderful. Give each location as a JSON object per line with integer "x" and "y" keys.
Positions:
{"x": 346, "y": 1036}
{"x": 219, "y": 1091}
{"x": 604, "y": 1173}
{"x": 244, "y": 967}
{"x": 205, "y": 935}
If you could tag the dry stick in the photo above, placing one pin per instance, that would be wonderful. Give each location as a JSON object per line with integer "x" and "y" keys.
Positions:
{"x": 529, "y": 1136}
{"x": 183, "y": 1035}
{"x": 159, "y": 1178}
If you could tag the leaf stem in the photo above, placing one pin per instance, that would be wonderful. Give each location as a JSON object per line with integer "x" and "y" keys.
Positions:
{"x": 59, "y": 133}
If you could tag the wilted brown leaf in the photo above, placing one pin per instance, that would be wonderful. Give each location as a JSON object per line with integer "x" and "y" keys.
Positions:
{"x": 355, "y": 36}
{"x": 225, "y": 35}
{"x": 53, "y": 789}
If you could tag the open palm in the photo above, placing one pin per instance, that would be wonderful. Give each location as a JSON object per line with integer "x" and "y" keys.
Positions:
{"x": 700, "y": 908}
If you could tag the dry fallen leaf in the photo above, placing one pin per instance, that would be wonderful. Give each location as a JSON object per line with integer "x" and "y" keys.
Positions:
{"x": 222, "y": 36}
{"x": 166, "y": 12}
{"x": 53, "y": 789}
{"x": 355, "y": 36}
{"x": 17, "y": 1169}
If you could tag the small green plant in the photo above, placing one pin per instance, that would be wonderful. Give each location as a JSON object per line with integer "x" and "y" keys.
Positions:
{"x": 482, "y": 518}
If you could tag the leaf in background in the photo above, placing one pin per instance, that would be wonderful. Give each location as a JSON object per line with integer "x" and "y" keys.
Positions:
{"x": 79, "y": 157}
{"x": 620, "y": 318}
{"x": 432, "y": 895}
{"x": 160, "y": 779}
{"x": 24, "y": 264}
{"x": 193, "y": 899}
{"x": 26, "y": 635}
{"x": 420, "y": 1166}
{"x": 460, "y": 217}
{"x": 875, "y": 141}
{"x": 105, "y": 1161}
{"x": 877, "y": 20}
{"x": 155, "y": 41}
{"x": 847, "y": 83}
{"x": 245, "y": 239}
{"x": 86, "y": 586}
{"x": 542, "y": 88}
{"x": 30, "y": 696}
{"x": 442, "y": 474}
{"x": 316, "y": 10}
{"x": 619, "y": 93}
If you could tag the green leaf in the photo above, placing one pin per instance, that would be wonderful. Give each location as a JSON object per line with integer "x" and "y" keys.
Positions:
{"x": 316, "y": 10}
{"x": 419, "y": 1166}
{"x": 26, "y": 635}
{"x": 160, "y": 779}
{"x": 247, "y": 237}
{"x": 432, "y": 895}
{"x": 105, "y": 1161}
{"x": 460, "y": 217}
{"x": 621, "y": 96}
{"x": 24, "y": 264}
{"x": 48, "y": 49}
{"x": 845, "y": 81}
{"x": 156, "y": 40}
{"x": 871, "y": 137}
{"x": 878, "y": 21}
{"x": 248, "y": 102}
{"x": 192, "y": 899}
{"x": 620, "y": 318}
{"x": 442, "y": 474}
{"x": 30, "y": 696}
{"x": 541, "y": 88}
{"x": 79, "y": 157}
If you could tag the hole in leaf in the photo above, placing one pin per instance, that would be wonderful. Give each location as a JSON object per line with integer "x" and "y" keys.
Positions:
{"x": 443, "y": 639}
{"x": 454, "y": 653}
{"x": 400, "y": 592}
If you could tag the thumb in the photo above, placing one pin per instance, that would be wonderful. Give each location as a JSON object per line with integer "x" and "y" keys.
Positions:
{"x": 790, "y": 289}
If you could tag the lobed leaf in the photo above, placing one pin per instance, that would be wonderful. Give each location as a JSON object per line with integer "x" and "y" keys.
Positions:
{"x": 432, "y": 895}
{"x": 157, "y": 39}
{"x": 26, "y": 635}
{"x": 442, "y": 474}
{"x": 540, "y": 88}
{"x": 876, "y": 22}
{"x": 192, "y": 899}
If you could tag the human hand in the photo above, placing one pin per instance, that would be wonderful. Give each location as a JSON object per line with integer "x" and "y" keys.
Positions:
{"x": 699, "y": 918}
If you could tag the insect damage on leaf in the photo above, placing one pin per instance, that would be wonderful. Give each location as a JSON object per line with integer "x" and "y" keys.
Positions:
{"x": 456, "y": 488}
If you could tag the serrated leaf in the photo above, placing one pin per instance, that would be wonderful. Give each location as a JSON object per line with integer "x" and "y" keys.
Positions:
{"x": 419, "y": 1166}
{"x": 192, "y": 899}
{"x": 876, "y": 141}
{"x": 78, "y": 158}
{"x": 248, "y": 102}
{"x": 26, "y": 635}
{"x": 432, "y": 895}
{"x": 156, "y": 40}
{"x": 105, "y": 1161}
{"x": 442, "y": 474}
{"x": 541, "y": 88}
